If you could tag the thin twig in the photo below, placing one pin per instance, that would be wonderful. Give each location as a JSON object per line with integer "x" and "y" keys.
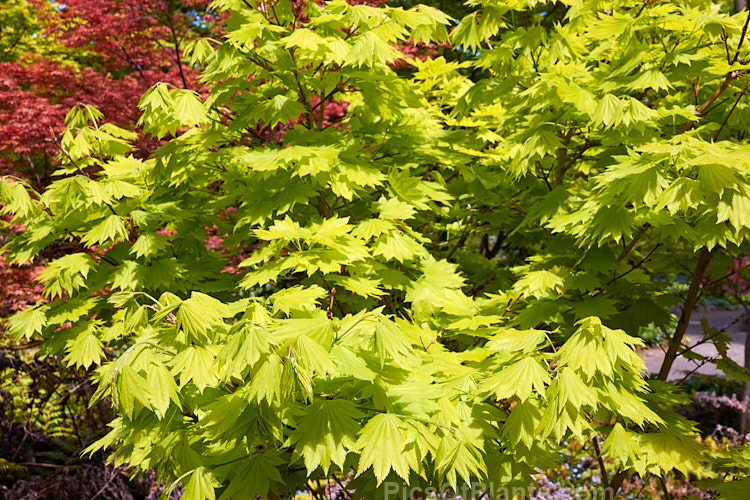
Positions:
{"x": 632, "y": 268}
{"x": 726, "y": 118}
{"x": 636, "y": 238}
{"x": 717, "y": 93}
{"x": 742, "y": 39}
{"x": 724, "y": 38}
{"x": 705, "y": 340}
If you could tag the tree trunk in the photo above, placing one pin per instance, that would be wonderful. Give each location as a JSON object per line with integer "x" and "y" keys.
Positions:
{"x": 704, "y": 257}
{"x": 740, "y": 5}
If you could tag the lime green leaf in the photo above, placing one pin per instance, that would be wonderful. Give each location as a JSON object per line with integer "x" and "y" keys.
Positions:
{"x": 281, "y": 109}
{"x": 621, "y": 445}
{"x": 243, "y": 351}
{"x": 349, "y": 363}
{"x": 398, "y": 246}
{"x": 370, "y": 228}
{"x": 109, "y": 230}
{"x": 85, "y": 350}
{"x": 518, "y": 379}
{"x": 66, "y": 274}
{"x": 286, "y": 230}
{"x": 389, "y": 342}
{"x": 196, "y": 363}
{"x": 512, "y": 340}
{"x": 382, "y": 444}
{"x": 326, "y": 432}
{"x": 198, "y": 313}
{"x": 523, "y": 422}
{"x": 304, "y": 38}
{"x": 27, "y": 322}
{"x": 538, "y": 283}
{"x": 459, "y": 458}
{"x": 201, "y": 485}
{"x": 130, "y": 387}
{"x": 149, "y": 244}
{"x": 394, "y": 209}
{"x": 584, "y": 351}
{"x": 255, "y": 476}
{"x": 370, "y": 50}
{"x": 313, "y": 356}
{"x": 297, "y": 297}
{"x": 266, "y": 382}
{"x": 609, "y": 111}
{"x": 651, "y": 79}
{"x": 569, "y": 388}
{"x": 602, "y": 307}
{"x": 366, "y": 287}
{"x": 329, "y": 231}
{"x": 188, "y": 108}
{"x": 163, "y": 388}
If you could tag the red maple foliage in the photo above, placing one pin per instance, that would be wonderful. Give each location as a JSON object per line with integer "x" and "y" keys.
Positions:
{"x": 112, "y": 51}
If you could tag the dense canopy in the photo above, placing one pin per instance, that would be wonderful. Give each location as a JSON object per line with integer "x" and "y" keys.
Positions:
{"x": 382, "y": 243}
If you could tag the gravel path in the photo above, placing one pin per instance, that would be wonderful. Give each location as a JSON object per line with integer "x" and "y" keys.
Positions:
{"x": 718, "y": 318}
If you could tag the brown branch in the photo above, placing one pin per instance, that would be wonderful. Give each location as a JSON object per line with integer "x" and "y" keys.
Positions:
{"x": 632, "y": 268}
{"x": 23, "y": 347}
{"x": 710, "y": 338}
{"x": 135, "y": 65}
{"x": 178, "y": 53}
{"x": 580, "y": 152}
{"x": 610, "y": 492}
{"x": 605, "y": 476}
{"x": 636, "y": 239}
{"x": 726, "y": 118}
{"x": 742, "y": 40}
{"x": 461, "y": 240}
{"x": 562, "y": 157}
{"x": 704, "y": 257}
{"x": 703, "y": 107}
{"x": 12, "y": 46}
{"x": 663, "y": 485}
{"x": 724, "y": 38}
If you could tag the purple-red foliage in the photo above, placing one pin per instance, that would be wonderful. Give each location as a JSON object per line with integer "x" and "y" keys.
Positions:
{"x": 112, "y": 52}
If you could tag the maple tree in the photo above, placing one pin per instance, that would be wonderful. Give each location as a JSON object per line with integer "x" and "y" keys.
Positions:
{"x": 444, "y": 283}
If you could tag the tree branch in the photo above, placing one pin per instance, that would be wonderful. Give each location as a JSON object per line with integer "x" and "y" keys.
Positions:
{"x": 605, "y": 476}
{"x": 610, "y": 492}
{"x": 703, "y": 107}
{"x": 562, "y": 157}
{"x": 726, "y": 118}
{"x": 636, "y": 239}
{"x": 742, "y": 38}
{"x": 704, "y": 257}
{"x": 178, "y": 53}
